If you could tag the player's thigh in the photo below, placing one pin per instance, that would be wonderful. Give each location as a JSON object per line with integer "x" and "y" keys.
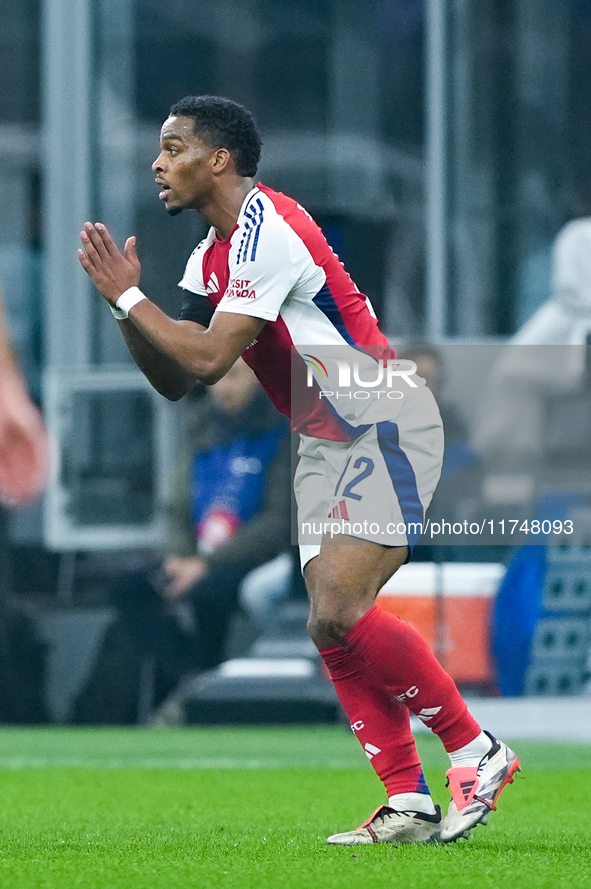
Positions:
{"x": 317, "y": 474}
{"x": 345, "y": 496}
{"x": 352, "y": 570}
{"x": 365, "y": 489}
{"x": 343, "y": 581}
{"x": 390, "y": 475}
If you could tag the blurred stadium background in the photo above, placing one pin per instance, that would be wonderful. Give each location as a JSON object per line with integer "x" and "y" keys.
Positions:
{"x": 440, "y": 145}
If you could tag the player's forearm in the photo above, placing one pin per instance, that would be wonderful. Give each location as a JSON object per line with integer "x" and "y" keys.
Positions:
{"x": 181, "y": 345}
{"x": 203, "y": 354}
{"x": 200, "y": 354}
{"x": 161, "y": 371}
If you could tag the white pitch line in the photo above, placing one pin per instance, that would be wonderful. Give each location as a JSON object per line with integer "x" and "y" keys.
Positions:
{"x": 20, "y": 763}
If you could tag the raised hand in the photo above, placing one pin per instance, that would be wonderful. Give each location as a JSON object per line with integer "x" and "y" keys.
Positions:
{"x": 111, "y": 271}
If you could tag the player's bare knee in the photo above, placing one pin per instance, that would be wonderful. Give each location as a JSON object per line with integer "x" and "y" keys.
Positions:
{"x": 332, "y": 617}
{"x": 326, "y": 630}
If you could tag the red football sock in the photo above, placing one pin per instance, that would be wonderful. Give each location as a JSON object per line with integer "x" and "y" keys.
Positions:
{"x": 381, "y": 724}
{"x": 397, "y": 655}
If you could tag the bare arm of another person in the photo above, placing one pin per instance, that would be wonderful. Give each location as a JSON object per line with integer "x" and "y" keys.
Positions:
{"x": 24, "y": 452}
{"x": 173, "y": 355}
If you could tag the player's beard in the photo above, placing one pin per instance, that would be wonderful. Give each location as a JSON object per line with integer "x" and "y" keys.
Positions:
{"x": 174, "y": 211}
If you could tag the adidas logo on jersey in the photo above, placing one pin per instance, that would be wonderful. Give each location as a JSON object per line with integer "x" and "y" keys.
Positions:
{"x": 213, "y": 285}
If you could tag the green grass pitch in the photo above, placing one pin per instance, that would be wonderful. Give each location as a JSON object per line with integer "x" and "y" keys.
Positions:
{"x": 251, "y": 808}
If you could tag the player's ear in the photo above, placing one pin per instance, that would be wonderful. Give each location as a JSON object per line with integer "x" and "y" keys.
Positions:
{"x": 221, "y": 159}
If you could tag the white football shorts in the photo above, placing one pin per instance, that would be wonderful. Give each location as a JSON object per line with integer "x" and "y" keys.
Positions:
{"x": 376, "y": 487}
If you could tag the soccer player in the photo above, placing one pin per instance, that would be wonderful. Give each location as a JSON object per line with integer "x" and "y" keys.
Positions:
{"x": 24, "y": 453}
{"x": 264, "y": 284}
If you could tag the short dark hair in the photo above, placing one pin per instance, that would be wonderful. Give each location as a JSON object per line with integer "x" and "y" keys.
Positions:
{"x": 223, "y": 123}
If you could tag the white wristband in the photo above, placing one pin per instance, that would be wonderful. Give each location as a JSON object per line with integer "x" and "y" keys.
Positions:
{"x": 128, "y": 299}
{"x": 119, "y": 314}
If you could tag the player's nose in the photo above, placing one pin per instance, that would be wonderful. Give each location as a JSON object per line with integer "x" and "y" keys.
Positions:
{"x": 157, "y": 166}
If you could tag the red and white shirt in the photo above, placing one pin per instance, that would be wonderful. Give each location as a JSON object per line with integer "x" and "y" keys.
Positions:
{"x": 277, "y": 265}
